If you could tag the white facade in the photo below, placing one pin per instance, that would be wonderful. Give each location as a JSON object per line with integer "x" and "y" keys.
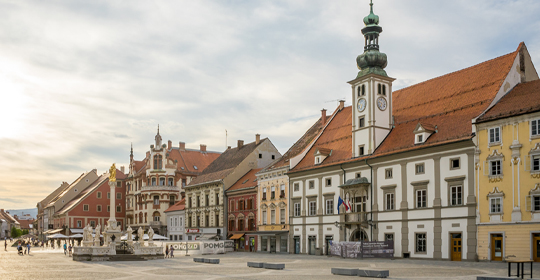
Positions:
{"x": 175, "y": 225}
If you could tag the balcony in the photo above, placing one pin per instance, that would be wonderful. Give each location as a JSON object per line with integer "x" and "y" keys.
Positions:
{"x": 360, "y": 217}
{"x": 155, "y": 223}
{"x": 161, "y": 188}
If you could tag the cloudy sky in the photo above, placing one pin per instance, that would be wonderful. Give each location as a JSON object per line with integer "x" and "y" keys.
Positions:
{"x": 81, "y": 80}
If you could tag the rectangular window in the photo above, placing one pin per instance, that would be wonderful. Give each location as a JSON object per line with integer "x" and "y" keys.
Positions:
{"x": 108, "y": 208}
{"x": 361, "y": 150}
{"x": 535, "y": 127}
{"x": 329, "y": 182}
{"x": 282, "y": 216}
{"x": 264, "y": 194}
{"x": 456, "y": 195}
{"x": 206, "y": 200}
{"x": 329, "y": 207}
{"x": 118, "y": 208}
{"x": 311, "y": 185}
{"x": 535, "y": 203}
{"x": 297, "y": 209}
{"x": 535, "y": 165}
{"x": 388, "y": 236}
{"x": 419, "y": 168}
{"x": 312, "y": 208}
{"x": 389, "y": 200}
{"x": 99, "y": 208}
{"x": 388, "y": 173}
{"x": 420, "y": 138}
{"x": 273, "y": 217}
{"x": 98, "y": 194}
{"x": 108, "y": 195}
{"x": 361, "y": 122}
{"x": 282, "y": 191}
{"x": 495, "y": 167}
{"x": 421, "y": 198}
{"x": 264, "y": 217}
{"x": 495, "y": 205}
{"x": 421, "y": 243}
{"x": 272, "y": 192}
{"x": 296, "y": 187}
{"x": 79, "y": 224}
{"x": 86, "y": 207}
{"x": 358, "y": 175}
{"x": 454, "y": 163}
{"x": 118, "y": 195}
{"x": 494, "y": 135}
{"x": 156, "y": 200}
{"x": 93, "y": 223}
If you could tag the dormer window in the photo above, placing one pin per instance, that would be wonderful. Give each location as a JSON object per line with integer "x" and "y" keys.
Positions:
{"x": 321, "y": 154}
{"x": 422, "y": 132}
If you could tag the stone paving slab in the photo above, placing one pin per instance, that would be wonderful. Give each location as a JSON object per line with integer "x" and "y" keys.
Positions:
{"x": 54, "y": 265}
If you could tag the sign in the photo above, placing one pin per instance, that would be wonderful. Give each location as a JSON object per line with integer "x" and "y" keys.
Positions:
{"x": 191, "y": 246}
{"x": 377, "y": 249}
{"x": 193, "y": 230}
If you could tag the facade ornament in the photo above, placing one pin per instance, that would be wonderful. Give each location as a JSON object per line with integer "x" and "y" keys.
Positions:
{"x": 97, "y": 235}
{"x": 495, "y": 192}
{"x": 112, "y": 174}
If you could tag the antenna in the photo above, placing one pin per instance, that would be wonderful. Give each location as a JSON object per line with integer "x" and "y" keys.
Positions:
{"x": 335, "y": 100}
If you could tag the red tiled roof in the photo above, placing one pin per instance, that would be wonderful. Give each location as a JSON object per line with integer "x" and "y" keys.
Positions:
{"x": 225, "y": 163}
{"x": 189, "y": 158}
{"x": 180, "y": 205}
{"x": 337, "y": 136}
{"x": 449, "y": 102}
{"x": 25, "y": 224}
{"x": 522, "y": 99}
{"x": 139, "y": 164}
{"x": 247, "y": 181}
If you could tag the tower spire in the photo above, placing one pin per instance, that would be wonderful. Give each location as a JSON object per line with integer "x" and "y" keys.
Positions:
{"x": 371, "y": 61}
{"x": 131, "y": 153}
{"x": 158, "y": 139}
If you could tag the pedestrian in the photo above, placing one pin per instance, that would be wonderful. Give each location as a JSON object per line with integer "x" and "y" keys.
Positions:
{"x": 65, "y": 249}
{"x": 166, "y": 251}
{"x": 172, "y": 252}
{"x": 28, "y": 246}
{"x": 24, "y": 245}
{"x": 5, "y": 244}
{"x": 69, "y": 248}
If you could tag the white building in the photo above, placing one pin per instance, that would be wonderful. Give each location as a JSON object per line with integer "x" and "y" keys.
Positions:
{"x": 176, "y": 215}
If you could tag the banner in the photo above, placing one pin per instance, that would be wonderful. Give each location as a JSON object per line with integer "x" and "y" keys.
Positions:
{"x": 366, "y": 249}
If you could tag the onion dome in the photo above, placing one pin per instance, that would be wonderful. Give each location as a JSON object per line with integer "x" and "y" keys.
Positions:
{"x": 371, "y": 61}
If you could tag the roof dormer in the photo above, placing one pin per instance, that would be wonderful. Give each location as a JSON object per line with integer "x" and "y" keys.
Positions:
{"x": 423, "y": 131}
{"x": 321, "y": 154}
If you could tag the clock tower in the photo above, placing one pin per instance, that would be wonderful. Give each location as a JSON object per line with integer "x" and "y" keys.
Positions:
{"x": 371, "y": 93}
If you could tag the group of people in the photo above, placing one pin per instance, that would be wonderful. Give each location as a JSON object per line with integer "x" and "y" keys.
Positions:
{"x": 169, "y": 253}
{"x": 68, "y": 250}
{"x": 20, "y": 247}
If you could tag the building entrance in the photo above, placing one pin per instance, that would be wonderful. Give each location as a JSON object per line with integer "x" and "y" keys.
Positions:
{"x": 327, "y": 242}
{"x": 455, "y": 242}
{"x": 497, "y": 247}
{"x": 536, "y": 247}
{"x": 359, "y": 235}
{"x": 297, "y": 245}
{"x": 312, "y": 243}
{"x": 272, "y": 244}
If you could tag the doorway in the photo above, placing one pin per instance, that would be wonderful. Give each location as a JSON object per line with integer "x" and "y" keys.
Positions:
{"x": 272, "y": 244}
{"x": 536, "y": 247}
{"x": 312, "y": 242}
{"x": 297, "y": 245}
{"x": 497, "y": 247}
{"x": 359, "y": 235}
{"x": 328, "y": 242}
{"x": 455, "y": 246}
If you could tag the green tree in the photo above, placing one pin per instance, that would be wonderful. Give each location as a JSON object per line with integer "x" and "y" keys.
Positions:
{"x": 24, "y": 231}
{"x": 14, "y": 232}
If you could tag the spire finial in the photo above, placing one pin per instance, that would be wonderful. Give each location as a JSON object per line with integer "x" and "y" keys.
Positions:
{"x": 131, "y": 149}
{"x": 158, "y": 128}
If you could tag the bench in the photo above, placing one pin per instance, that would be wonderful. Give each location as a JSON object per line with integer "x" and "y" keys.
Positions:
{"x": 255, "y": 264}
{"x": 279, "y": 266}
{"x": 495, "y": 278}
{"x": 198, "y": 260}
{"x": 373, "y": 273}
{"x": 212, "y": 261}
{"x": 345, "y": 271}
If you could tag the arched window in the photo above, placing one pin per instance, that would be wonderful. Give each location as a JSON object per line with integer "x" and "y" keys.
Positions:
{"x": 158, "y": 161}
{"x": 171, "y": 181}
{"x": 140, "y": 218}
{"x": 156, "y": 216}
{"x": 162, "y": 181}
{"x": 153, "y": 181}
{"x": 145, "y": 217}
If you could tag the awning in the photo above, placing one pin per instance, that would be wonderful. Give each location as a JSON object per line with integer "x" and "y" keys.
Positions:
{"x": 207, "y": 236}
{"x": 270, "y": 233}
{"x": 236, "y": 236}
{"x": 76, "y": 230}
{"x": 53, "y": 231}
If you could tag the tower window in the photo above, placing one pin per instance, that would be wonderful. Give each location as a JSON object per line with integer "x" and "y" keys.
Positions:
{"x": 379, "y": 89}
{"x": 361, "y": 122}
{"x": 361, "y": 90}
{"x": 360, "y": 150}
{"x": 383, "y": 89}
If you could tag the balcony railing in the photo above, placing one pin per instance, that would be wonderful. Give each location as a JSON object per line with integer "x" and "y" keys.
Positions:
{"x": 356, "y": 217}
{"x": 160, "y": 188}
{"x": 155, "y": 223}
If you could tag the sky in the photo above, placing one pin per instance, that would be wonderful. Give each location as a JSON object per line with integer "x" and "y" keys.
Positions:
{"x": 82, "y": 80}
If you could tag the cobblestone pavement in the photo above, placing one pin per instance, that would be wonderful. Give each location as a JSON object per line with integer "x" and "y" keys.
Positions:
{"x": 54, "y": 265}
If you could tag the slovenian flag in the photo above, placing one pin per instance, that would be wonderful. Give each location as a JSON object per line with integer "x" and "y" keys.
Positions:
{"x": 339, "y": 202}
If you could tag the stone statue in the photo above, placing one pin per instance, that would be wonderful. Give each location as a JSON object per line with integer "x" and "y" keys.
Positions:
{"x": 87, "y": 236}
{"x": 150, "y": 235}
{"x": 129, "y": 234}
{"x": 140, "y": 233}
{"x": 96, "y": 237}
{"x": 112, "y": 173}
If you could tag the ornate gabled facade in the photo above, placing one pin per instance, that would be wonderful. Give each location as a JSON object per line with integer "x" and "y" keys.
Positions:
{"x": 508, "y": 176}
{"x": 405, "y": 170}
{"x": 206, "y": 207}
{"x": 157, "y": 182}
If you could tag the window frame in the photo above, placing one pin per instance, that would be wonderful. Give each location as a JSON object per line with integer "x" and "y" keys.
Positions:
{"x": 362, "y": 121}
{"x": 328, "y": 182}
{"x": 99, "y": 195}
{"x": 425, "y": 198}
{"x": 419, "y": 168}
{"x": 495, "y": 129}
{"x": 420, "y": 237}
{"x": 99, "y": 208}
{"x": 296, "y": 187}
{"x": 500, "y": 167}
{"x": 297, "y": 209}
{"x": 312, "y": 208}
{"x": 495, "y": 198}
{"x": 388, "y": 173}
{"x": 329, "y": 203}
{"x": 311, "y": 184}
{"x": 86, "y": 207}
{"x": 537, "y": 134}
{"x": 393, "y": 199}
{"x": 452, "y": 163}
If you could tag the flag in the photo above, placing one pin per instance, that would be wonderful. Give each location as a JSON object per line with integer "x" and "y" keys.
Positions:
{"x": 339, "y": 202}
{"x": 347, "y": 205}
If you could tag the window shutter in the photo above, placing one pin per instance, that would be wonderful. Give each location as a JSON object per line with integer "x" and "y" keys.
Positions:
{"x": 528, "y": 203}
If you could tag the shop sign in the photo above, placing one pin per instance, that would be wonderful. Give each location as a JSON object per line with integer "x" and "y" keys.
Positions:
{"x": 193, "y": 230}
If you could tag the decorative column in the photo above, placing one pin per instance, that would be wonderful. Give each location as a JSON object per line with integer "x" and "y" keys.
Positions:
{"x": 112, "y": 228}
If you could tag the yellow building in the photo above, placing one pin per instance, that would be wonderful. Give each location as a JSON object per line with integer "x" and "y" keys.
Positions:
{"x": 508, "y": 176}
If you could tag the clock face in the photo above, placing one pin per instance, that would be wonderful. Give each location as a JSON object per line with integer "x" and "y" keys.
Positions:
{"x": 381, "y": 103}
{"x": 361, "y": 104}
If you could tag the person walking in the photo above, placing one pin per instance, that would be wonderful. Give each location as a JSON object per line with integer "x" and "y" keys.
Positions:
{"x": 5, "y": 244}
{"x": 70, "y": 248}
{"x": 65, "y": 249}
{"x": 28, "y": 247}
{"x": 166, "y": 252}
{"x": 172, "y": 252}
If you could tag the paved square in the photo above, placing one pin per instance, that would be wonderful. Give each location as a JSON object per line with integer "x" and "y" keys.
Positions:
{"x": 48, "y": 265}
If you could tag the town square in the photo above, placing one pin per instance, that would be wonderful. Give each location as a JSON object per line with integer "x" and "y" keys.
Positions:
{"x": 270, "y": 139}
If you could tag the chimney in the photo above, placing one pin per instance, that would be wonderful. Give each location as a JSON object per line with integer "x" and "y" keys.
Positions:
{"x": 228, "y": 147}
{"x": 341, "y": 104}
{"x": 323, "y": 116}
{"x": 122, "y": 169}
{"x": 257, "y": 139}
{"x": 203, "y": 148}
{"x": 182, "y": 146}
{"x": 240, "y": 143}
{"x": 169, "y": 145}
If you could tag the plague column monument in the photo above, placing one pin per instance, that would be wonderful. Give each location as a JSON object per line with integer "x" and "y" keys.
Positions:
{"x": 112, "y": 231}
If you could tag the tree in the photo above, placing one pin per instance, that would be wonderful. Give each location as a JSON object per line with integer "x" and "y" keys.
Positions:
{"x": 24, "y": 231}
{"x": 14, "y": 232}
